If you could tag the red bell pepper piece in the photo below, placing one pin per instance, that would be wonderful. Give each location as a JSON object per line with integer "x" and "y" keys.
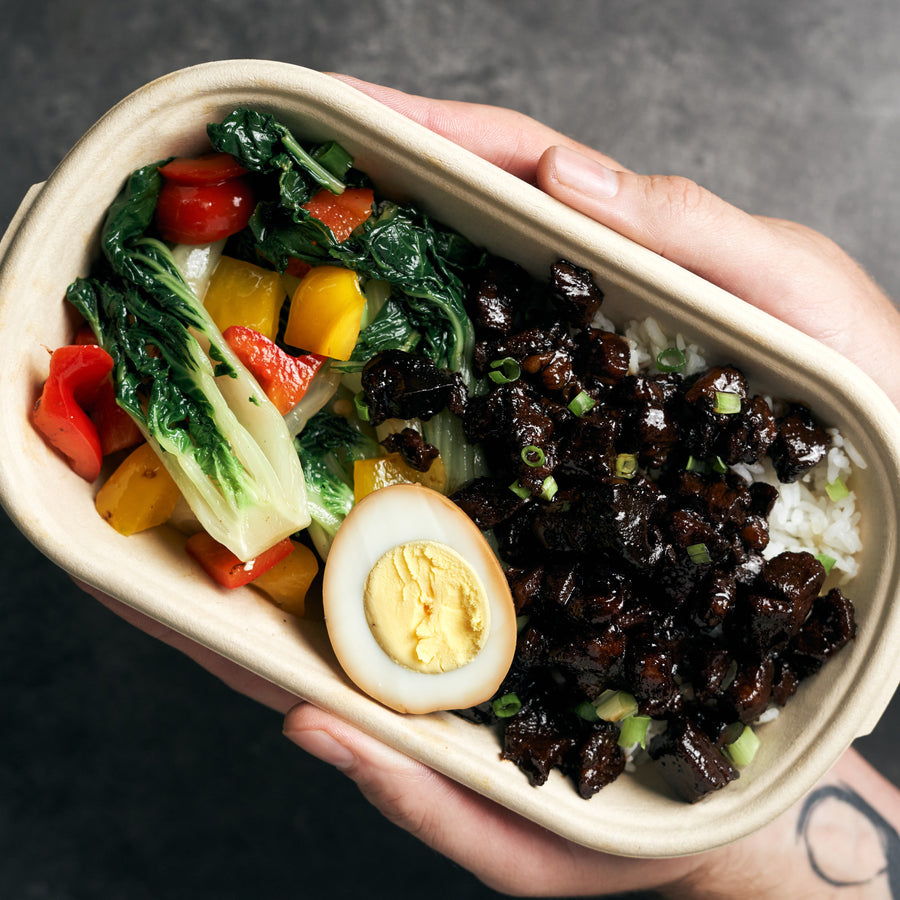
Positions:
{"x": 203, "y": 213}
{"x": 341, "y": 212}
{"x": 297, "y": 267}
{"x": 116, "y": 429}
{"x": 76, "y": 374}
{"x": 210, "y": 168}
{"x": 85, "y": 335}
{"x": 227, "y": 569}
{"x": 283, "y": 377}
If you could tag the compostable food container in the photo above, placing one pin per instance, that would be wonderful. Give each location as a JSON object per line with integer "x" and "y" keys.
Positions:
{"x": 53, "y": 239}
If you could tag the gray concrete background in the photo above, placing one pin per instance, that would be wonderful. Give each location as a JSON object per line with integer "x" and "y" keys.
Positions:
{"x": 125, "y": 771}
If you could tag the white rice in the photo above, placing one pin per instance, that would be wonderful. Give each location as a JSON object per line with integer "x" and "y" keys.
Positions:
{"x": 804, "y": 517}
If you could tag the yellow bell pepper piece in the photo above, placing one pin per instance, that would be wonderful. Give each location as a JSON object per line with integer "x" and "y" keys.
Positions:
{"x": 241, "y": 293}
{"x": 288, "y": 581}
{"x": 326, "y": 312}
{"x": 140, "y": 494}
{"x": 371, "y": 474}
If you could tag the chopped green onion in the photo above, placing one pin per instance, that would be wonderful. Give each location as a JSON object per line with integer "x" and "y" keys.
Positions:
{"x": 505, "y": 370}
{"x": 334, "y": 158}
{"x": 741, "y": 751}
{"x": 585, "y": 710}
{"x": 520, "y": 490}
{"x": 699, "y": 553}
{"x": 626, "y": 465}
{"x": 837, "y": 490}
{"x": 359, "y": 404}
{"x": 671, "y": 360}
{"x": 827, "y": 561}
{"x": 612, "y": 706}
{"x": 727, "y": 403}
{"x": 533, "y": 456}
{"x": 506, "y": 706}
{"x": 522, "y": 621}
{"x": 634, "y": 731}
{"x": 702, "y": 466}
{"x": 549, "y": 488}
{"x": 581, "y": 403}
{"x": 695, "y": 465}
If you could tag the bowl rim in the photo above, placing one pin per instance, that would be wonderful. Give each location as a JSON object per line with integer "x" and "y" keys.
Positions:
{"x": 489, "y": 191}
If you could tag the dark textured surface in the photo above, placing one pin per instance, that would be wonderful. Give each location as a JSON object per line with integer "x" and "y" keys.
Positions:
{"x": 127, "y": 772}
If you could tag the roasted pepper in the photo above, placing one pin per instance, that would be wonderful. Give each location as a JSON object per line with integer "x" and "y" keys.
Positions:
{"x": 283, "y": 377}
{"x": 378, "y": 472}
{"x": 288, "y": 581}
{"x": 343, "y": 212}
{"x": 140, "y": 494}
{"x": 326, "y": 312}
{"x": 76, "y": 374}
{"x": 241, "y": 293}
{"x": 227, "y": 569}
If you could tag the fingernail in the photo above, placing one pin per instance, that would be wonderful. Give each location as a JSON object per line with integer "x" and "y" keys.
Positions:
{"x": 323, "y": 746}
{"x": 581, "y": 173}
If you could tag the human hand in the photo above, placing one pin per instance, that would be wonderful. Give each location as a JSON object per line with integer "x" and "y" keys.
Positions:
{"x": 785, "y": 269}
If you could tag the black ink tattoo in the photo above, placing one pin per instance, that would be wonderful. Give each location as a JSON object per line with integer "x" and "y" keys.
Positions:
{"x": 887, "y": 835}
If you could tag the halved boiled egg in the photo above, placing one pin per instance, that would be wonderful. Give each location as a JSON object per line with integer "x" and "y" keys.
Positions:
{"x": 417, "y": 607}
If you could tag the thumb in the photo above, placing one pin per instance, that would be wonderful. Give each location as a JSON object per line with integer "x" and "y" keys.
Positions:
{"x": 505, "y": 851}
{"x": 785, "y": 269}
{"x": 669, "y": 214}
{"x": 442, "y": 814}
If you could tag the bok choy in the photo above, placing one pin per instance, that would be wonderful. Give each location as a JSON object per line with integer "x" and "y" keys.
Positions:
{"x": 401, "y": 246}
{"x": 216, "y": 432}
{"x": 328, "y": 447}
{"x": 398, "y": 244}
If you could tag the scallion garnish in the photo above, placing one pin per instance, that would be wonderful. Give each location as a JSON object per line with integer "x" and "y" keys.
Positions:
{"x": 695, "y": 465}
{"x": 522, "y": 621}
{"x": 533, "y": 456}
{"x": 359, "y": 404}
{"x": 504, "y": 371}
{"x": 719, "y": 465}
{"x": 549, "y": 488}
{"x": 727, "y": 403}
{"x": 626, "y": 465}
{"x": 334, "y": 158}
{"x": 671, "y": 360}
{"x": 837, "y": 490}
{"x": 585, "y": 710}
{"x": 827, "y": 561}
{"x": 520, "y": 490}
{"x": 741, "y": 751}
{"x": 506, "y": 706}
{"x": 613, "y": 706}
{"x": 634, "y": 731}
{"x": 581, "y": 403}
{"x": 699, "y": 553}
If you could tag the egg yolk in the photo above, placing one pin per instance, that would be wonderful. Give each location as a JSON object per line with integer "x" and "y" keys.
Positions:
{"x": 426, "y": 607}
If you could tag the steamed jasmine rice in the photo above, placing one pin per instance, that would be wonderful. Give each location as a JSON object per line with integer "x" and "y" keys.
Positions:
{"x": 805, "y": 515}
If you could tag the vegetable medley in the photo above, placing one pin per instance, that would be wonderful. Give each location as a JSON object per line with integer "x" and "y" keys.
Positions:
{"x": 267, "y": 341}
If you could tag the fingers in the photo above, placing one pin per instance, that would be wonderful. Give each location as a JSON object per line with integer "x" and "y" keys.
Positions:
{"x": 504, "y": 137}
{"x": 505, "y": 851}
{"x": 785, "y": 269}
{"x": 670, "y": 215}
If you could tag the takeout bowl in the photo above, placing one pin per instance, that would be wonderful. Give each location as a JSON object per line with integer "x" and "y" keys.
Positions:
{"x": 53, "y": 239}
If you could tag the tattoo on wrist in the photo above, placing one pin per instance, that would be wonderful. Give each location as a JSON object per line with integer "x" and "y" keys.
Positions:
{"x": 820, "y": 857}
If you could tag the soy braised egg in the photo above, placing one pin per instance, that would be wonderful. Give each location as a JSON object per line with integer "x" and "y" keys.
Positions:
{"x": 417, "y": 606}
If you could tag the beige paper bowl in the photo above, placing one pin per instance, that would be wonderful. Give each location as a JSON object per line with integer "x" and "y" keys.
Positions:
{"x": 52, "y": 241}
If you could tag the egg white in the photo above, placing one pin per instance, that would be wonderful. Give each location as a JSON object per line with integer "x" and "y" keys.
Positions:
{"x": 379, "y": 522}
